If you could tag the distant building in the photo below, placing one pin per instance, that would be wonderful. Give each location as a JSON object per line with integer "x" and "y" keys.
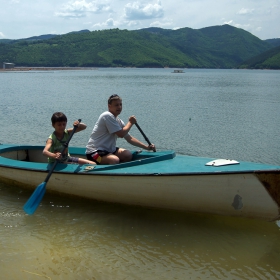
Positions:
{"x": 8, "y": 65}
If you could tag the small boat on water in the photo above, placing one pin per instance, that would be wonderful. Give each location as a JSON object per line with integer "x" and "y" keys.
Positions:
{"x": 159, "y": 180}
{"x": 178, "y": 71}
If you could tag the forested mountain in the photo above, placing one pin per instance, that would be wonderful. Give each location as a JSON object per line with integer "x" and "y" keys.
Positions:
{"x": 212, "y": 47}
{"x": 274, "y": 42}
{"x": 267, "y": 60}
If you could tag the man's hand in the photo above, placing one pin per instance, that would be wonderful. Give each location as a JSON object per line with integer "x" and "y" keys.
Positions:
{"x": 152, "y": 147}
{"x": 132, "y": 119}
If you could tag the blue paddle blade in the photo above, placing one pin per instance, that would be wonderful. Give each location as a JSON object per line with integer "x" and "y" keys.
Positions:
{"x": 35, "y": 199}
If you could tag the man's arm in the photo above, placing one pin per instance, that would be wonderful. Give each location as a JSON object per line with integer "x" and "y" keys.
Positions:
{"x": 135, "y": 142}
{"x": 124, "y": 131}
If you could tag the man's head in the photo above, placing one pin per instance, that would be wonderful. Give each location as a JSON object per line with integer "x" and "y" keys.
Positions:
{"x": 115, "y": 104}
{"x": 113, "y": 97}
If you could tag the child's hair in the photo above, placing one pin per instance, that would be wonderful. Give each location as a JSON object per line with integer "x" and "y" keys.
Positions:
{"x": 58, "y": 117}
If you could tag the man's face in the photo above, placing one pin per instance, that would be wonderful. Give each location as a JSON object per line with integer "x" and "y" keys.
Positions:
{"x": 115, "y": 107}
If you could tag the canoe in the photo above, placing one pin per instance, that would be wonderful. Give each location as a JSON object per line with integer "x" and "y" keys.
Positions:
{"x": 158, "y": 180}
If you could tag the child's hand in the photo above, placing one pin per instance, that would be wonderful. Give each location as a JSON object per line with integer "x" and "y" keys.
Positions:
{"x": 57, "y": 155}
{"x": 76, "y": 123}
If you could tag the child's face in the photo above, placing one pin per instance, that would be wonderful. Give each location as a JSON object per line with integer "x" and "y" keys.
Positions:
{"x": 60, "y": 126}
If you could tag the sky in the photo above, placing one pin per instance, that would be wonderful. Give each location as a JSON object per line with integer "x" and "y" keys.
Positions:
{"x": 26, "y": 18}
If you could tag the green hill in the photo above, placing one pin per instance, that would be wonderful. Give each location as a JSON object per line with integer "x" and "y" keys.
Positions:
{"x": 274, "y": 42}
{"x": 267, "y": 60}
{"x": 215, "y": 47}
{"x": 212, "y": 47}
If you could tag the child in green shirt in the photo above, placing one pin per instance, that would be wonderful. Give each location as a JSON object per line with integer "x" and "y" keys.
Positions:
{"x": 56, "y": 140}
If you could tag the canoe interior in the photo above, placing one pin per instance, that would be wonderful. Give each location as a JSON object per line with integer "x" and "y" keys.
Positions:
{"x": 30, "y": 155}
{"x": 34, "y": 154}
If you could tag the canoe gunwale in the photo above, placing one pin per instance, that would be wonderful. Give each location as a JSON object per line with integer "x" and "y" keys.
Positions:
{"x": 138, "y": 160}
{"x": 122, "y": 168}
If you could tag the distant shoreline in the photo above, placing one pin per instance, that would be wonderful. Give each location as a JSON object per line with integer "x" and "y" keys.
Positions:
{"x": 46, "y": 68}
{"x": 26, "y": 69}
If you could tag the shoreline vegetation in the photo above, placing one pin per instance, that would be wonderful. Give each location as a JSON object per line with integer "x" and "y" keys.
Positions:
{"x": 18, "y": 69}
{"x": 36, "y": 69}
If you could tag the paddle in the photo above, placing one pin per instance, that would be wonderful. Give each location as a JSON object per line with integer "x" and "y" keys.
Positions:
{"x": 35, "y": 199}
{"x": 144, "y": 135}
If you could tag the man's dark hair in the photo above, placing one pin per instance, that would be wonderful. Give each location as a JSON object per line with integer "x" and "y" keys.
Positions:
{"x": 113, "y": 97}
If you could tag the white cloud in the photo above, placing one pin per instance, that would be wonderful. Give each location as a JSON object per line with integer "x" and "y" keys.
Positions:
{"x": 230, "y": 22}
{"x": 247, "y": 26}
{"x": 42, "y": 17}
{"x": 132, "y": 23}
{"x": 80, "y": 8}
{"x": 162, "y": 24}
{"x": 244, "y": 11}
{"x": 238, "y": 25}
{"x": 2, "y": 35}
{"x": 109, "y": 23}
{"x": 139, "y": 11}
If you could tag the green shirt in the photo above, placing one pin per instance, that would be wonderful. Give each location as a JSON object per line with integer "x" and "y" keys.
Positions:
{"x": 58, "y": 146}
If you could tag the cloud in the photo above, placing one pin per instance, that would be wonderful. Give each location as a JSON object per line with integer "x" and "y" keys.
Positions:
{"x": 162, "y": 24}
{"x": 231, "y": 22}
{"x": 247, "y": 27}
{"x": 133, "y": 14}
{"x": 2, "y": 35}
{"x": 244, "y": 11}
{"x": 80, "y": 8}
{"x": 139, "y": 11}
{"x": 110, "y": 22}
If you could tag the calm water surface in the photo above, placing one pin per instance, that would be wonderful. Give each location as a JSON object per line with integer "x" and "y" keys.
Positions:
{"x": 216, "y": 113}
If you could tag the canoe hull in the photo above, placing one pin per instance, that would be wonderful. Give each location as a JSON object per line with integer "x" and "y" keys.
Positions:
{"x": 240, "y": 194}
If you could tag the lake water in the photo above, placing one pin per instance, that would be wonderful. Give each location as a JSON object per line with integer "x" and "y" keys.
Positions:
{"x": 217, "y": 113}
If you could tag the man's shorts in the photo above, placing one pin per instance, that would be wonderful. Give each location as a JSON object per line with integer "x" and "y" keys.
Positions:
{"x": 96, "y": 156}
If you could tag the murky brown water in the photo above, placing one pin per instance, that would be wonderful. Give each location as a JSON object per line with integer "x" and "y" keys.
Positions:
{"x": 77, "y": 239}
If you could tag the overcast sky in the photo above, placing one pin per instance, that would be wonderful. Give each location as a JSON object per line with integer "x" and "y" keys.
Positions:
{"x": 27, "y": 18}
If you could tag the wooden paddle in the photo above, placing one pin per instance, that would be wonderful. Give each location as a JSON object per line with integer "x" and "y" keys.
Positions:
{"x": 35, "y": 199}
{"x": 144, "y": 135}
